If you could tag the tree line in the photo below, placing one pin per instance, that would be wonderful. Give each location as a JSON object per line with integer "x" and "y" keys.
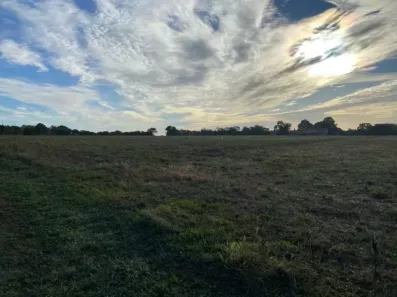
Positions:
{"x": 41, "y": 129}
{"x": 327, "y": 126}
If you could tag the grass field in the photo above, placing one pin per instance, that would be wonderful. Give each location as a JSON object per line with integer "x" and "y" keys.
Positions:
{"x": 239, "y": 216}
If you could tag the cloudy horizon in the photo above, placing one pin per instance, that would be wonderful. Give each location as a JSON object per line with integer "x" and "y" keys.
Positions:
{"x": 131, "y": 65}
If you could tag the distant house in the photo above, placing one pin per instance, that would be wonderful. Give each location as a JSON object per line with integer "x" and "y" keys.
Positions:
{"x": 312, "y": 131}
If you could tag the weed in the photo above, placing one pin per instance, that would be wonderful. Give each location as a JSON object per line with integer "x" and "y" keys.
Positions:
{"x": 380, "y": 194}
{"x": 240, "y": 252}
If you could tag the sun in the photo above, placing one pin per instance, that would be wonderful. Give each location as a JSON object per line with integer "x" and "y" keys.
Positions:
{"x": 325, "y": 56}
{"x": 334, "y": 66}
{"x": 318, "y": 46}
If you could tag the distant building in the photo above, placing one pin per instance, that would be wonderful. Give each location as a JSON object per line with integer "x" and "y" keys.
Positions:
{"x": 313, "y": 131}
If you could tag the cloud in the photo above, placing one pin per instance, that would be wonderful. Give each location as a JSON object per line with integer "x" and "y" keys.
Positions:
{"x": 19, "y": 54}
{"x": 383, "y": 92}
{"x": 59, "y": 99}
{"x": 372, "y": 112}
{"x": 378, "y": 110}
{"x": 22, "y": 115}
{"x": 218, "y": 62}
{"x": 68, "y": 106}
{"x": 360, "y": 77}
{"x": 380, "y": 97}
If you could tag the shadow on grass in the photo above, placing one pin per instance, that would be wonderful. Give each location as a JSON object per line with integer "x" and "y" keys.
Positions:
{"x": 70, "y": 244}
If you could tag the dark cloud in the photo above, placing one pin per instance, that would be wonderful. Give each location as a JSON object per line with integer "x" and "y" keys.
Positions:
{"x": 211, "y": 20}
{"x": 188, "y": 77}
{"x": 333, "y": 23}
{"x": 252, "y": 85}
{"x": 373, "y": 12}
{"x": 300, "y": 64}
{"x": 183, "y": 77}
{"x": 81, "y": 38}
{"x": 359, "y": 31}
{"x": 175, "y": 23}
{"x": 196, "y": 50}
{"x": 242, "y": 51}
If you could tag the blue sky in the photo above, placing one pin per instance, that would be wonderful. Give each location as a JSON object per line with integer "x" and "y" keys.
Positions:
{"x": 126, "y": 65}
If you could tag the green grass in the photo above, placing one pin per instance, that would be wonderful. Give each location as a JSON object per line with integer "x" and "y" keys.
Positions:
{"x": 239, "y": 216}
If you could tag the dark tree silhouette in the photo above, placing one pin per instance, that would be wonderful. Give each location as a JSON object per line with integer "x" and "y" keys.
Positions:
{"x": 28, "y": 130}
{"x": 61, "y": 130}
{"x": 152, "y": 131}
{"x": 305, "y": 125}
{"x": 41, "y": 129}
{"x": 383, "y": 129}
{"x": 259, "y": 130}
{"x": 282, "y": 128}
{"x": 329, "y": 124}
{"x": 364, "y": 128}
{"x": 172, "y": 131}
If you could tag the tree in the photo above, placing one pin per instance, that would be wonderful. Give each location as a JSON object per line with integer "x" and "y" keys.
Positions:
{"x": 221, "y": 131}
{"x": 117, "y": 133}
{"x": 330, "y": 124}
{"x": 305, "y": 125}
{"x": 384, "y": 129}
{"x": 85, "y": 133}
{"x": 364, "y": 128}
{"x": 41, "y": 129}
{"x": 205, "y": 131}
{"x": 232, "y": 130}
{"x": 152, "y": 131}
{"x": 60, "y": 130}
{"x": 246, "y": 131}
{"x": 13, "y": 130}
{"x": 282, "y": 128}
{"x": 28, "y": 130}
{"x": 259, "y": 130}
{"x": 171, "y": 131}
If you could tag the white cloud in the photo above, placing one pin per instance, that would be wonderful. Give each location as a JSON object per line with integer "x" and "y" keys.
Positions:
{"x": 68, "y": 106}
{"x": 217, "y": 61}
{"x": 379, "y": 110}
{"x": 360, "y": 77}
{"x": 371, "y": 104}
{"x": 373, "y": 112}
{"x": 60, "y": 99}
{"x": 21, "y": 116}
{"x": 382, "y": 92}
{"x": 105, "y": 105}
{"x": 19, "y": 54}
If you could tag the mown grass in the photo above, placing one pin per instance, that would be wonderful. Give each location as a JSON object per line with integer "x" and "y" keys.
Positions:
{"x": 239, "y": 216}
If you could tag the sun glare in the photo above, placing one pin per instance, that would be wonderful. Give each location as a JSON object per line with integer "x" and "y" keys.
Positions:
{"x": 319, "y": 47}
{"x": 327, "y": 49}
{"x": 334, "y": 66}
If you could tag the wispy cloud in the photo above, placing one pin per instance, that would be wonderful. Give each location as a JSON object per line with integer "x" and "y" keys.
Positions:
{"x": 383, "y": 92}
{"x": 59, "y": 99}
{"x": 20, "y": 54}
{"x": 373, "y": 112}
{"x": 379, "y": 110}
{"x": 376, "y": 103}
{"x": 216, "y": 61}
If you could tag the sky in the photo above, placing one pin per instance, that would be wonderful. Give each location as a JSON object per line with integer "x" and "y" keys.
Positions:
{"x": 135, "y": 64}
